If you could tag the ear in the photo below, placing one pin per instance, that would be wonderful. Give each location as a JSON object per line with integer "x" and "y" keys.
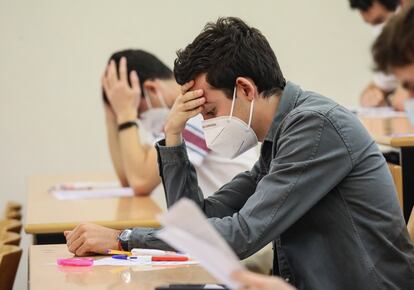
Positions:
{"x": 246, "y": 88}
{"x": 151, "y": 87}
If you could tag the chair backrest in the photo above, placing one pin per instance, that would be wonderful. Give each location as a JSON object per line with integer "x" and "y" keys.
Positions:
{"x": 11, "y": 225}
{"x": 396, "y": 173}
{"x": 13, "y": 214}
{"x": 12, "y": 205}
{"x": 9, "y": 238}
{"x": 410, "y": 225}
{"x": 9, "y": 262}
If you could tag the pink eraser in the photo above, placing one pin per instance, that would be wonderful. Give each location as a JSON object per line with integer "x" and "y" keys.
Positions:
{"x": 77, "y": 262}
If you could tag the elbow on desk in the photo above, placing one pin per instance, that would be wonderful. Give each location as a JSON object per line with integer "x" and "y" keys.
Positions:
{"x": 141, "y": 188}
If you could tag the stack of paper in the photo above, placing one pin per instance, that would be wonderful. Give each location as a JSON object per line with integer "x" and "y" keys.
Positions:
{"x": 187, "y": 230}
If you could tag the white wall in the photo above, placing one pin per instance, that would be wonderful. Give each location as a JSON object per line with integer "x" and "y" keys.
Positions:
{"x": 52, "y": 54}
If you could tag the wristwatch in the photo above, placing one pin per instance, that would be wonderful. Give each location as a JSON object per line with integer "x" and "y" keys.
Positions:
{"x": 123, "y": 239}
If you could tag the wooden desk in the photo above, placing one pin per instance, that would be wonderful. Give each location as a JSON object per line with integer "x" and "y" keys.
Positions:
{"x": 398, "y": 133}
{"x": 44, "y": 274}
{"x": 47, "y": 217}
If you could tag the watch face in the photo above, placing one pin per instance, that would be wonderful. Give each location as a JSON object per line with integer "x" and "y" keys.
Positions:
{"x": 124, "y": 236}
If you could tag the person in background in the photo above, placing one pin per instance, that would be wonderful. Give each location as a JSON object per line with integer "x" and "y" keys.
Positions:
{"x": 383, "y": 90}
{"x": 393, "y": 52}
{"x": 138, "y": 86}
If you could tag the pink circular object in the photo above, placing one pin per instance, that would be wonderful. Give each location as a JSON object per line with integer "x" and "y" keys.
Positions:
{"x": 77, "y": 262}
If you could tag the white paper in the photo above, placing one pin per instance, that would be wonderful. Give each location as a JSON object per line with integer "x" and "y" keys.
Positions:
{"x": 109, "y": 261}
{"x": 86, "y": 185}
{"x": 93, "y": 193}
{"x": 198, "y": 238}
{"x": 381, "y": 112}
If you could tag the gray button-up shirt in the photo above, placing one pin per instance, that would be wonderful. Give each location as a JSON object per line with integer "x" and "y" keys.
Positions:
{"x": 321, "y": 191}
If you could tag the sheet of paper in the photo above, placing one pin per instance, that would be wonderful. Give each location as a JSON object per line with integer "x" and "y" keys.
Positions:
{"x": 196, "y": 237}
{"x": 382, "y": 112}
{"x": 93, "y": 193}
{"x": 109, "y": 261}
{"x": 86, "y": 185}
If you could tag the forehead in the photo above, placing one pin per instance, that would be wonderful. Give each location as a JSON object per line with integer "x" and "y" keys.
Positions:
{"x": 405, "y": 73}
{"x": 211, "y": 94}
{"x": 375, "y": 11}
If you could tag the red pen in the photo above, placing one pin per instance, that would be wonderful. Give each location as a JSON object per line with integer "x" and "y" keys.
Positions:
{"x": 160, "y": 258}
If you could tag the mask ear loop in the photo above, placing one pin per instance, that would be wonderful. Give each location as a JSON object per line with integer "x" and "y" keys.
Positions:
{"x": 162, "y": 100}
{"x": 148, "y": 100}
{"x": 251, "y": 113}
{"x": 232, "y": 103}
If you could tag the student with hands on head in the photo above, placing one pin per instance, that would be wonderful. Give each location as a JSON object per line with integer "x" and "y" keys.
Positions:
{"x": 138, "y": 86}
{"x": 383, "y": 90}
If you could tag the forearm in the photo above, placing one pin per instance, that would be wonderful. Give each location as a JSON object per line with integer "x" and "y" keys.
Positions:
{"x": 113, "y": 144}
{"x": 139, "y": 162}
{"x": 180, "y": 180}
{"x": 145, "y": 238}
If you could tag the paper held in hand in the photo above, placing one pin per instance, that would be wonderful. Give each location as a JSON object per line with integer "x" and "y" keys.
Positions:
{"x": 196, "y": 237}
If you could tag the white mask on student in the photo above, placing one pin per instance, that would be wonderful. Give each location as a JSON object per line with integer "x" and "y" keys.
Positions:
{"x": 228, "y": 135}
{"x": 409, "y": 109}
{"x": 153, "y": 119}
{"x": 377, "y": 29}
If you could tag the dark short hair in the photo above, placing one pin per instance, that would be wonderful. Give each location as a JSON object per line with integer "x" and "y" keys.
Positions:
{"x": 228, "y": 49}
{"x": 395, "y": 45}
{"x": 364, "y": 5}
{"x": 147, "y": 65}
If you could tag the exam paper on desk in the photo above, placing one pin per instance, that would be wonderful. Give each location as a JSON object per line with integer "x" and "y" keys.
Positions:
{"x": 93, "y": 193}
{"x": 109, "y": 261}
{"x": 196, "y": 237}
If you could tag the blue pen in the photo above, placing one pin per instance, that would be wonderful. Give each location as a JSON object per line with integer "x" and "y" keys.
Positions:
{"x": 120, "y": 257}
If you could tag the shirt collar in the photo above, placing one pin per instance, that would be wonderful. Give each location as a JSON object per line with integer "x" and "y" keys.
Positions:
{"x": 286, "y": 104}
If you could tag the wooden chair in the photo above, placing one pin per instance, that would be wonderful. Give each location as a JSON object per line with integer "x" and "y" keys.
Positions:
{"x": 9, "y": 238}
{"x": 410, "y": 226}
{"x": 12, "y": 205}
{"x": 13, "y": 214}
{"x": 396, "y": 173}
{"x": 11, "y": 225}
{"x": 9, "y": 262}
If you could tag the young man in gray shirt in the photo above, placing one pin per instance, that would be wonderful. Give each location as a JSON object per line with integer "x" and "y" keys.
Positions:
{"x": 321, "y": 189}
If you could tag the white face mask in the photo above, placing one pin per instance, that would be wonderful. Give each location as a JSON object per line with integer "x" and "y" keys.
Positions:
{"x": 409, "y": 109}
{"x": 377, "y": 29}
{"x": 153, "y": 119}
{"x": 228, "y": 135}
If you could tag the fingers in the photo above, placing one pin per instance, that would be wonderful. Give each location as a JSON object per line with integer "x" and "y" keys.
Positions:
{"x": 191, "y": 95}
{"x": 193, "y": 104}
{"x": 111, "y": 74}
{"x": 134, "y": 79}
{"x": 186, "y": 87}
{"x": 83, "y": 250}
{"x": 104, "y": 83}
{"x": 123, "y": 69}
{"x": 76, "y": 244}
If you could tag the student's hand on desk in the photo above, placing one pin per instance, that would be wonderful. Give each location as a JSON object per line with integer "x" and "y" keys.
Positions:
{"x": 91, "y": 238}
{"x": 124, "y": 99}
{"x": 186, "y": 106}
{"x": 253, "y": 281}
{"x": 373, "y": 96}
